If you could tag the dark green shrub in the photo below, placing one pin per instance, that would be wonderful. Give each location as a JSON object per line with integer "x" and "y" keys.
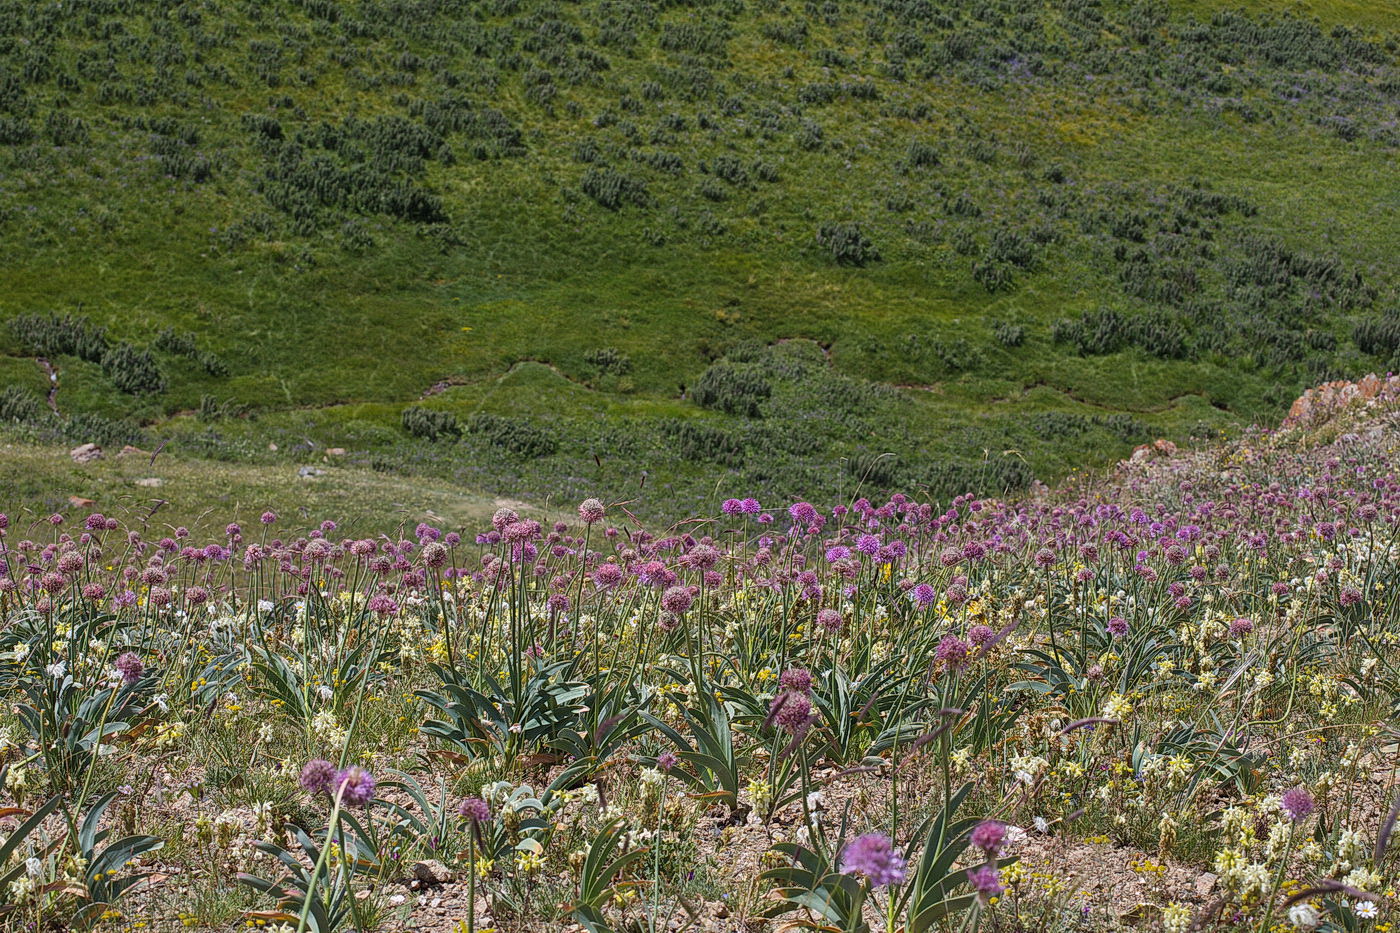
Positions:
{"x": 847, "y": 245}
{"x": 214, "y": 409}
{"x": 90, "y": 428}
{"x": 19, "y": 405}
{"x": 609, "y": 360}
{"x": 513, "y": 435}
{"x": 712, "y": 190}
{"x": 133, "y": 371}
{"x": 689, "y": 441}
{"x": 1010, "y": 335}
{"x": 60, "y": 335}
{"x": 613, "y": 190}
{"x": 922, "y": 155}
{"x": 1124, "y": 427}
{"x": 737, "y": 390}
{"x": 730, "y": 169}
{"x": 428, "y": 423}
{"x": 171, "y": 341}
{"x": 1059, "y": 424}
{"x": 662, "y": 161}
{"x": 1380, "y": 335}
{"x": 881, "y": 470}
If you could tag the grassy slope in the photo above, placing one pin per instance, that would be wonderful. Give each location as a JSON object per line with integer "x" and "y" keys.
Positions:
{"x": 329, "y": 325}
{"x": 37, "y": 481}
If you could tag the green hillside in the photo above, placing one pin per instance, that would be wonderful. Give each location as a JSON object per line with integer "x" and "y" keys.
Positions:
{"x": 664, "y": 251}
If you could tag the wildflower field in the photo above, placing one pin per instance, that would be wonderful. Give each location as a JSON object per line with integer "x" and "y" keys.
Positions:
{"x": 1162, "y": 700}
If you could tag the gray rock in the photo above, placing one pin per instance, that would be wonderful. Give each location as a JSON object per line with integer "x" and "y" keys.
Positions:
{"x": 431, "y": 871}
{"x": 85, "y": 453}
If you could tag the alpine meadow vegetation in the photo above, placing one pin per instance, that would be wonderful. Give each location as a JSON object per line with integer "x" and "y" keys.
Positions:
{"x": 732, "y": 466}
{"x": 1161, "y": 699}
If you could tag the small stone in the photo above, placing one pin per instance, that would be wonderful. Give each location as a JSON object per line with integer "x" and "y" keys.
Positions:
{"x": 129, "y": 451}
{"x": 308, "y": 472}
{"x": 335, "y": 451}
{"x": 150, "y": 481}
{"x": 78, "y": 502}
{"x": 1205, "y": 883}
{"x": 431, "y": 871}
{"x": 85, "y": 453}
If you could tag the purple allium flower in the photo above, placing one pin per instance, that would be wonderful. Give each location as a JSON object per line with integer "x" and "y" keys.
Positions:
{"x": 830, "y": 620}
{"x": 1241, "y": 627}
{"x": 979, "y": 635}
{"x": 654, "y": 573}
{"x": 750, "y": 507}
{"x": 129, "y": 666}
{"x": 591, "y": 510}
{"x": 803, "y": 513}
{"x": 317, "y": 775}
{"x": 474, "y": 810}
{"x": 703, "y": 556}
{"x": 953, "y": 651}
{"x": 1044, "y": 558}
{"x": 1117, "y": 626}
{"x": 1349, "y": 596}
{"x": 986, "y": 881}
{"x": 383, "y": 605}
{"x": 923, "y": 595}
{"x": 873, "y": 857}
{"x": 676, "y": 599}
{"x": 731, "y": 507}
{"x": 667, "y": 760}
{"x": 796, "y": 678}
{"x": 356, "y": 785}
{"x": 791, "y": 710}
{"x": 607, "y": 576}
{"x": 1297, "y": 804}
{"x": 434, "y": 554}
{"x": 990, "y": 837}
{"x": 268, "y": 517}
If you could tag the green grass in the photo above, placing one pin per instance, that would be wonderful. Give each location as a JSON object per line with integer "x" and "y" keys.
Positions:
{"x": 37, "y": 480}
{"x": 1086, "y": 142}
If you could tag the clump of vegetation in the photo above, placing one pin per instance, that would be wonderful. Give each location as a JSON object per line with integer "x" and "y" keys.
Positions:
{"x": 429, "y": 423}
{"x": 847, "y": 244}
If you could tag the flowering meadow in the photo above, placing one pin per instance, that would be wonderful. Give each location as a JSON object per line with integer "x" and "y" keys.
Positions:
{"x": 1161, "y": 699}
